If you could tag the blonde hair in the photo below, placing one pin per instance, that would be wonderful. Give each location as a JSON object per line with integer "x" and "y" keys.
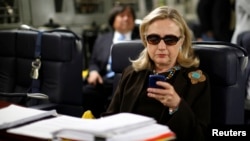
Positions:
{"x": 186, "y": 57}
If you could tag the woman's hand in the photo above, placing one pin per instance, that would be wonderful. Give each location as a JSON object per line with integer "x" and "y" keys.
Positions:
{"x": 166, "y": 95}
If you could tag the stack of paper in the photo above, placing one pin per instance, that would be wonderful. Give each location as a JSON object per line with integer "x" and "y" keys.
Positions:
{"x": 14, "y": 115}
{"x": 123, "y": 126}
{"x": 152, "y": 132}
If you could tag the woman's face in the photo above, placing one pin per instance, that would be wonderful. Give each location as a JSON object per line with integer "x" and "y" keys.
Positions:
{"x": 163, "y": 52}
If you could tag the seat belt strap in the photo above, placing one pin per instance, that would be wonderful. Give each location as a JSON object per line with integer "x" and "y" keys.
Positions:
{"x": 36, "y": 65}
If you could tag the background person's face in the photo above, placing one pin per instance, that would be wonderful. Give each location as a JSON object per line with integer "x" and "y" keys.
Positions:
{"x": 124, "y": 21}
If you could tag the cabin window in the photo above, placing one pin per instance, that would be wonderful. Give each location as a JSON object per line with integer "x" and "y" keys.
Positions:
{"x": 9, "y": 12}
{"x": 89, "y": 7}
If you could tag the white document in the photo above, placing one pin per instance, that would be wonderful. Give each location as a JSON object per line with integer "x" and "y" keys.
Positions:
{"x": 45, "y": 128}
{"x": 120, "y": 123}
{"x": 150, "y": 132}
{"x": 104, "y": 127}
{"x": 13, "y": 115}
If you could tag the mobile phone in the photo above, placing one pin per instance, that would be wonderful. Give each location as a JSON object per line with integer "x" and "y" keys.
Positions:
{"x": 153, "y": 78}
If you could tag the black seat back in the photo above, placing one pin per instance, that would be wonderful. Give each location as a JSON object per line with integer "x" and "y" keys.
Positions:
{"x": 243, "y": 40}
{"x": 120, "y": 53}
{"x": 223, "y": 62}
{"x": 60, "y": 72}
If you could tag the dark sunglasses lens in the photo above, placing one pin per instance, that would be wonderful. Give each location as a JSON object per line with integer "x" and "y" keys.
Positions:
{"x": 153, "y": 39}
{"x": 170, "y": 40}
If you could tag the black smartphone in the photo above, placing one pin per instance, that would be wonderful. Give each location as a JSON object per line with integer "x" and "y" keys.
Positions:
{"x": 153, "y": 78}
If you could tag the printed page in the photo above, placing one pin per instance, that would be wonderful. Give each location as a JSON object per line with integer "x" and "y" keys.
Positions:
{"x": 45, "y": 129}
{"x": 150, "y": 132}
{"x": 103, "y": 127}
{"x": 121, "y": 123}
{"x": 73, "y": 127}
{"x": 13, "y": 115}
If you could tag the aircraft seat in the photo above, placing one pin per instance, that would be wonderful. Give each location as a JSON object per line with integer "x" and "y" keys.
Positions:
{"x": 60, "y": 70}
{"x": 223, "y": 62}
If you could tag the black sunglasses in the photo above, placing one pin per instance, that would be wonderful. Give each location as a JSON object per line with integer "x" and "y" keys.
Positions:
{"x": 155, "y": 39}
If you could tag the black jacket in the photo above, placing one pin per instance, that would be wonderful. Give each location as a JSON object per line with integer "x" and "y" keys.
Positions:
{"x": 101, "y": 51}
{"x": 193, "y": 116}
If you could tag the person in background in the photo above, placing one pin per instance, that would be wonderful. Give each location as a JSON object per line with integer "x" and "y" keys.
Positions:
{"x": 99, "y": 83}
{"x": 183, "y": 100}
{"x": 215, "y": 23}
{"x": 242, "y": 13}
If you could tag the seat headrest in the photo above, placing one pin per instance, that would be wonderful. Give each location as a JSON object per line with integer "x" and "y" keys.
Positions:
{"x": 122, "y": 51}
{"x": 220, "y": 60}
{"x": 244, "y": 40}
{"x": 22, "y": 43}
{"x": 7, "y": 43}
{"x": 59, "y": 50}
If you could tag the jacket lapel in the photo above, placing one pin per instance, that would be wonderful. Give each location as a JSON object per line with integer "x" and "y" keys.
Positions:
{"x": 139, "y": 83}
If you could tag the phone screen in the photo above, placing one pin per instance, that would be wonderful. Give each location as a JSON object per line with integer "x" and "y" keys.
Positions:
{"x": 153, "y": 78}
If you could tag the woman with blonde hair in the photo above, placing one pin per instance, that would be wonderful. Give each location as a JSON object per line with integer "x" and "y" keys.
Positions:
{"x": 181, "y": 100}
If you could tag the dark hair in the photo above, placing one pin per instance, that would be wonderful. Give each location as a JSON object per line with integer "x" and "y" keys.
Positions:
{"x": 117, "y": 9}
